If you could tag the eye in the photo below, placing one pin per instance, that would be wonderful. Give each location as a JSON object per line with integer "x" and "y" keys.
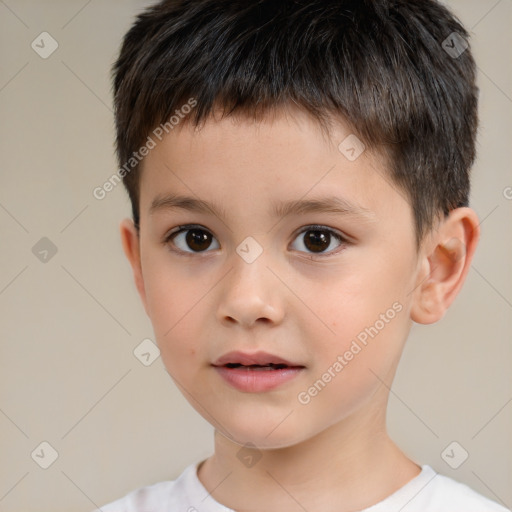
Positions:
{"x": 192, "y": 236}
{"x": 318, "y": 239}
{"x": 194, "y": 239}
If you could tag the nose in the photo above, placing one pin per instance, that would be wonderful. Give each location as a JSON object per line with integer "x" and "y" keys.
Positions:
{"x": 251, "y": 294}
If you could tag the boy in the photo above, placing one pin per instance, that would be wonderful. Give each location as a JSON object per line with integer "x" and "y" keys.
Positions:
{"x": 299, "y": 180}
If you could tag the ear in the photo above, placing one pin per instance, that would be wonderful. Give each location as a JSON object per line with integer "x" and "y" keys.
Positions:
{"x": 444, "y": 264}
{"x": 131, "y": 247}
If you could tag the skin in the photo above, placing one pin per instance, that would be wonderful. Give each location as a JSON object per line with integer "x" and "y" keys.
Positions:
{"x": 333, "y": 453}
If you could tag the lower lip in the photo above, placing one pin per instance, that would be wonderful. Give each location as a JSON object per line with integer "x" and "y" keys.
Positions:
{"x": 256, "y": 381}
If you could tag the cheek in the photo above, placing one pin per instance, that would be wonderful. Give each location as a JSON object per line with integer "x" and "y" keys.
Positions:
{"x": 351, "y": 369}
{"x": 366, "y": 307}
{"x": 356, "y": 296}
{"x": 372, "y": 338}
{"x": 175, "y": 303}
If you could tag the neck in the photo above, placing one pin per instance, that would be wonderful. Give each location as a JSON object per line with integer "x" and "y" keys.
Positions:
{"x": 340, "y": 469}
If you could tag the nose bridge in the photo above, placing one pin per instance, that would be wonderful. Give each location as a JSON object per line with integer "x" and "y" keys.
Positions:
{"x": 250, "y": 291}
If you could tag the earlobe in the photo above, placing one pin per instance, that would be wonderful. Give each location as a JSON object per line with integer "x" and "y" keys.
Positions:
{"x": 131, "y": 247}
{"x": 444, "y": 265}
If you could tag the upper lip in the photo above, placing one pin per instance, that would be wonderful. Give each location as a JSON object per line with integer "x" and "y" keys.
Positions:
{"x": 260, "y": 358}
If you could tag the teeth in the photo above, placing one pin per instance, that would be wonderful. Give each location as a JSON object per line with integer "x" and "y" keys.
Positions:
{"x": 270, "y": 366}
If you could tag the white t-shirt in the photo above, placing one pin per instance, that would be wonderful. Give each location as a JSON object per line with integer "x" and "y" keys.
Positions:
{"x": 427, "y": 492}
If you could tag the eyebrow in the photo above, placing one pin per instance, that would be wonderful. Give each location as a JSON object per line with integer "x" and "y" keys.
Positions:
{"x": 330, "y": 204}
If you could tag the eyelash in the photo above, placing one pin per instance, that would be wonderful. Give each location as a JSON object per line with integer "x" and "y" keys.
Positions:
{"x": 315, "y": 227}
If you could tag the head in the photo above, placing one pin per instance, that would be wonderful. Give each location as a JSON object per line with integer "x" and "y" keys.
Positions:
{"x": 318, "y": 152}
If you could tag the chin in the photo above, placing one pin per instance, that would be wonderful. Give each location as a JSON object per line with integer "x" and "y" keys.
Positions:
{"x": 266, "y": 435}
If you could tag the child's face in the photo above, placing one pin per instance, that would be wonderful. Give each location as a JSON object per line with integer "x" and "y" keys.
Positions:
{"x": 307, "y": 298}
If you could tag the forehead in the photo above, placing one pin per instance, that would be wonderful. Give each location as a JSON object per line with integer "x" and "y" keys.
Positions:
{"x": 280, "y": 159}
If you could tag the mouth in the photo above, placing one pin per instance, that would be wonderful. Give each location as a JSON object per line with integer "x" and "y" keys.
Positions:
{"x": 256, "y": 373}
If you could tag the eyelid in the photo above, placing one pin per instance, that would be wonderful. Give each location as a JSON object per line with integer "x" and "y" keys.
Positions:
{"x": 183, "y": 227}
{"x": 320, "y": 227}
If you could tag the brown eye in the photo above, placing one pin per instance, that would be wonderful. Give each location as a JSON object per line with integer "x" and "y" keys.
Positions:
{"x": 198, "y": 240}
{"x": 317, "y": 239}
{"x": 191, "y": 239}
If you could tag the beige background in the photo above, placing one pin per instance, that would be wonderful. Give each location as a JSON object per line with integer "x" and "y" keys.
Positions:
{"x": 69, "y": 326}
